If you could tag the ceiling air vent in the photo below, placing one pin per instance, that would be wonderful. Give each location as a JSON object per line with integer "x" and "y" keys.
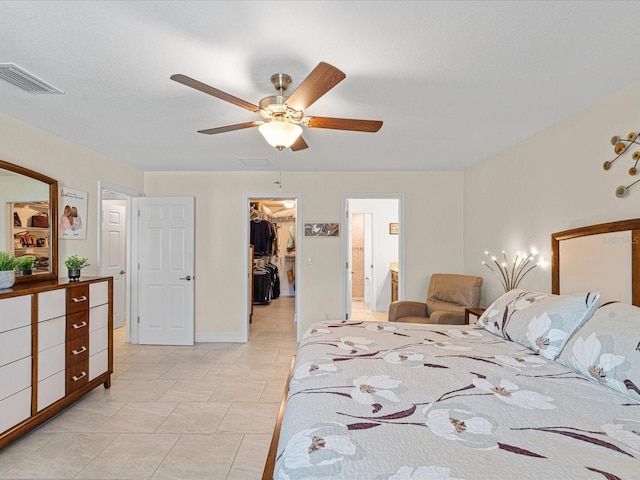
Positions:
{"x": 22, "y": 79}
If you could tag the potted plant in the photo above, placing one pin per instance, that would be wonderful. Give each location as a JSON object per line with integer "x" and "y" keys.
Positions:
{"x": 25, "y": 265}
{"x": 74, "y": 264}
{"x": 7, "y": 272}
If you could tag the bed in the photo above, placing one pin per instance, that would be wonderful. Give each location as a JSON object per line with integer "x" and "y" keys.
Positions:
{"x": 544, "y": 386}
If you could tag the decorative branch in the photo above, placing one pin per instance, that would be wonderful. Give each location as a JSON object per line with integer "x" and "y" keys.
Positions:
{"x": 620, "y": 147}
{"x": 511, "y": 276}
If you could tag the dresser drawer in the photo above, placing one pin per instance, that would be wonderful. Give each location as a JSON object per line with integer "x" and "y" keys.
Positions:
{"x": 98, "y": 317}
{"x": 98, "y": 294}
{"x": 51, "y": 304}
{"x": 51, "y": 361}
{"x": 77, "y": 375}
{"x": 98, "y": 364}
{"x": 77, "y": 350}
{"x": 15, "y": 377}
{"x": 15, "y": 409}
{"x": 77, "y": 325}
{"x": 51, "y": 332}
{"x": 77, "y": 298}
{"x": 99, "y": 340}
{"x": 15, "y": 344}
{"x": 15, "y": 312}
{"x": 51, "y": 389}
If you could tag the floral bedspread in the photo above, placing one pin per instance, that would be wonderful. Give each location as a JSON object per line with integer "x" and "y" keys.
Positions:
{"x": 373, "y": 400}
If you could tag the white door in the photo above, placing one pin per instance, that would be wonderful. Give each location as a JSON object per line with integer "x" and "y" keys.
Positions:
{"x": 114, "y": 255}
{"x": 349, "y": 273}
{"x": 368, "y": 259}
{"x": 166, "y": 270}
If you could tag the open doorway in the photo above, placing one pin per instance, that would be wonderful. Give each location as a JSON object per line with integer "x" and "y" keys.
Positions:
{"x": 372, "y": 251}
{"x": 273, "y": 249}
{"x": 114, "y": 248}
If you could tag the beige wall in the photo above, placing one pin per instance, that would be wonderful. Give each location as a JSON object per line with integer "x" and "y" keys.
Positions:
{"x": 550, "y": 182}
{"x": 514, "y": 201}
{"x": 433, "y": 217}
{"x": 73, "y": 166}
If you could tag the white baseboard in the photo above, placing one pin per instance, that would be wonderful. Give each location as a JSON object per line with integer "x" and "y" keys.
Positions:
{"x": 220, "y": 338}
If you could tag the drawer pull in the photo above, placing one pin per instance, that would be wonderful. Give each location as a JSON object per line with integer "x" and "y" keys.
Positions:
{"x": 78, "y": 300}
{"x": 78, "y": 377}
{"x": 82, "y": 325}
{"x": 78, "y": 352}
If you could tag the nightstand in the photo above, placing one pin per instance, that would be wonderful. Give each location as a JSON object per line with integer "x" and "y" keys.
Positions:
{"x": 475, "y": 311}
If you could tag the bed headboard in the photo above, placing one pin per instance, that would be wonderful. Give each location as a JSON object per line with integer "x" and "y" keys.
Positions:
{"x": 604, "y": 258}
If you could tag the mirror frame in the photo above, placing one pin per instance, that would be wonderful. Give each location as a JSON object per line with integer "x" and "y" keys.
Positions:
{"x": 53, "y": 220}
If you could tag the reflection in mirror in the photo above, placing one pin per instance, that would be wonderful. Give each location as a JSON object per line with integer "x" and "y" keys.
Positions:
{"x": 27, "y": 219}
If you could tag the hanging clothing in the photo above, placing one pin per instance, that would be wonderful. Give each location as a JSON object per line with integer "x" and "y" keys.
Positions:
{"x": 291, "y": 244}
{"x": 262, "y": 235}
{"x": 266, "y": 283}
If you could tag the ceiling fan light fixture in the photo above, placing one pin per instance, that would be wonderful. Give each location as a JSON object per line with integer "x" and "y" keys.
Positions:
{"x": 280, "y": 133}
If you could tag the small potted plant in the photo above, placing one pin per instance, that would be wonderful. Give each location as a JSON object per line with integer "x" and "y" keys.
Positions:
{"x": 7, "y": 272}
{"x": 25, "y": 265}
{"x": 74, "y": 264}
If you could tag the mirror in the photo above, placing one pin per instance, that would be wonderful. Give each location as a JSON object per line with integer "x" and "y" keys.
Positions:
{"x": 29, "y": 203}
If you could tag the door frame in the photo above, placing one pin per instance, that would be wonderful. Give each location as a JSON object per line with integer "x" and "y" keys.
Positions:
{"x": 131, "y": 277}
{"x": 346, "y": 241}
{"x": 298, "y": 271}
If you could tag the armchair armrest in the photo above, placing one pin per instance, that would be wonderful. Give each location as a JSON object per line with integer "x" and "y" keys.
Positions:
{"x": 405, "y": 308}
{"x": 448, "y": 318}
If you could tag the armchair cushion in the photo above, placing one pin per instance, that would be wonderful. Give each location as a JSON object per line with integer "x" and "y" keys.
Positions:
{"x": 448, "y": 296}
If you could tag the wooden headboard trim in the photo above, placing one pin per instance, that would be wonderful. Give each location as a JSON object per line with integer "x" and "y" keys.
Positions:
{"x": 633, "y": 225}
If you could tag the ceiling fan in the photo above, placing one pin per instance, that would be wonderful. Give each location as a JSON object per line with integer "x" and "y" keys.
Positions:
{"x": 282, "y": 116}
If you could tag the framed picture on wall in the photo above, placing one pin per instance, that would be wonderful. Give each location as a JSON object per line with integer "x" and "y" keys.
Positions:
{"x": 317, "y": 229}
{"x": 393, "y": 229}
{"x": 72, "y": 214}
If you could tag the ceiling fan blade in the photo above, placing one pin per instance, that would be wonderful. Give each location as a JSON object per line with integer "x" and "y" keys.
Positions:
{"x": 230, "y": 128}
{"x": 299, "y": 144}
{"x": 343, "y": 124}
{"x": 322, "y": 79}
{"x": 203, "y": 87}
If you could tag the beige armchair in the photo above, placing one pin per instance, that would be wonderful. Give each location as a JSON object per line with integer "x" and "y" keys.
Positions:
{"x": 448, "y": 296}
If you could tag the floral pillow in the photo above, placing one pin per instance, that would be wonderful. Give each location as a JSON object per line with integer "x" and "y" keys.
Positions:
{"x": 607, "y": 348}
{"x": 540, "y": 321}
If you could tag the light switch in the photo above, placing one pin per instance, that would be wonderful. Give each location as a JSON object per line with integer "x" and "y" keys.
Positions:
{"x": 309, "y": 260}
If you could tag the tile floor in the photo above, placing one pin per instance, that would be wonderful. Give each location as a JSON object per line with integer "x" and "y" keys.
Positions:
{"x": 201, "y": 412}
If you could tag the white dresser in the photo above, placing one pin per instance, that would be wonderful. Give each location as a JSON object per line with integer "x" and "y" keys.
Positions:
{"x": 56, "y": 344}
{"x": 15, "y": 361}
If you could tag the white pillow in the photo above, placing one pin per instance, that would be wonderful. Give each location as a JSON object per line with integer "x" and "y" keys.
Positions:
{"x": 606, "y": 349}
{"x": 540, "y": 321}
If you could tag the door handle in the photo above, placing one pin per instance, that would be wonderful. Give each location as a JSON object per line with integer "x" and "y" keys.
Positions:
{"x": 122, "y": 272}
{"x": 187, "y": 278}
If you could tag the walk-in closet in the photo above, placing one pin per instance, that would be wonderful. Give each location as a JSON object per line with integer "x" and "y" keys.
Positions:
{"x": 272, "y": 239}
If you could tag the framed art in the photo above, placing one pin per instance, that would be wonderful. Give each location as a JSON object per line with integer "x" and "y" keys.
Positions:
{"x": 72, "y": 214}
{"x": 317, "y": 229}
{"x": 393, "y": 229}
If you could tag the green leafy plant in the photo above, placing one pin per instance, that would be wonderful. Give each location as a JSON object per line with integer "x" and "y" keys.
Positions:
{"x": 75, "y": 263}
{"x": 7, "y": 261}
{"x": 24, "y": 264}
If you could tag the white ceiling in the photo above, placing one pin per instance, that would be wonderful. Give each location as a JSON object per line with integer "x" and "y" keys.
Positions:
{"x": 454, "y": 82}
